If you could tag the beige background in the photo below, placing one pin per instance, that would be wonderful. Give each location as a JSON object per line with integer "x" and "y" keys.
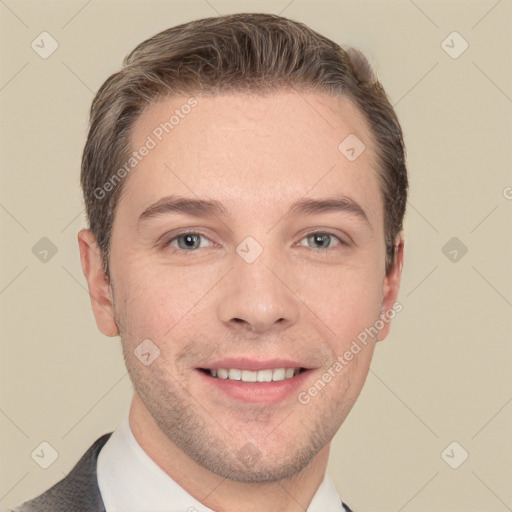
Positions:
{"x": 443, "y": 375}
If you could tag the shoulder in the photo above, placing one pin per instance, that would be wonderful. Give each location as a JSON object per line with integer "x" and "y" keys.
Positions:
{"x": 77, "y": 491}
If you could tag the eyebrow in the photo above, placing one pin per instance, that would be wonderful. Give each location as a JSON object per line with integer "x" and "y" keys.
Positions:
{"x": 202, "y": 208}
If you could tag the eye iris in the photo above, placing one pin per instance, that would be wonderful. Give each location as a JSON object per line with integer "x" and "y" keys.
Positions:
{"x": 190, "y": 240}
{"x": 321, "y": 239}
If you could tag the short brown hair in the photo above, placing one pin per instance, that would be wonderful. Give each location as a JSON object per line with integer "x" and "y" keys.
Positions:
{"x": 248, "y": 52}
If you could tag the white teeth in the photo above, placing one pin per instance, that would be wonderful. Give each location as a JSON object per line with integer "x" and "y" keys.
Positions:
{"x": 290, "y": 372}
{"x": 249, "y": 376}
{"x": 277, "y": 374}
{"x": 222, "y": 373}
{"x": 234, "y": 374}
{"x": 264, "y": 376}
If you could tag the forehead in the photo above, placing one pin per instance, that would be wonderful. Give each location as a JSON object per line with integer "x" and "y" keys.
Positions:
{"x": 248, "y": 148}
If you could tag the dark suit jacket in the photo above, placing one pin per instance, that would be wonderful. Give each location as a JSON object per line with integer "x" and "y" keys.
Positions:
{"x": 78, "y": 491}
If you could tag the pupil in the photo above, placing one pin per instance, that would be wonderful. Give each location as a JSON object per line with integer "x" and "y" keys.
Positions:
{"x": 320, "y": 239}
{"x": 189, "y": 240}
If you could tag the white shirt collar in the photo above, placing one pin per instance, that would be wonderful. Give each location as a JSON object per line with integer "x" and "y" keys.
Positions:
{"x": 130, "y": 481}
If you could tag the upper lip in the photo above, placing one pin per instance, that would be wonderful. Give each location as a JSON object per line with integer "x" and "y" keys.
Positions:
{"x": 254, "y": 364}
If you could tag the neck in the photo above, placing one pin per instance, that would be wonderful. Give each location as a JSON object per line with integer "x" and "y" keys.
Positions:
{"x": 217, "y": 493}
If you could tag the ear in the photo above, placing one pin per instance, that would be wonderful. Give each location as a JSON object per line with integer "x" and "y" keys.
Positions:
{"x": 390, "y": 288}
{"x": 98, "y": 283}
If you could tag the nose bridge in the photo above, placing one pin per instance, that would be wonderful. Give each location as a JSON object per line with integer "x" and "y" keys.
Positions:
{"x": 254, "y": 293}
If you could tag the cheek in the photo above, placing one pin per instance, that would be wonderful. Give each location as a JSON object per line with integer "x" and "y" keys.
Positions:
{"x": 347, "y": 300}
{"x": 156, "y": 302}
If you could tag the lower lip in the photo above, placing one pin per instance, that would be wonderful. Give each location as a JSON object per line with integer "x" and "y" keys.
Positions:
{"x": 257, "y": 392}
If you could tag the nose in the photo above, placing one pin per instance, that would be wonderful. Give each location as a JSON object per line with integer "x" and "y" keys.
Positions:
{"x": 258, "y": 297}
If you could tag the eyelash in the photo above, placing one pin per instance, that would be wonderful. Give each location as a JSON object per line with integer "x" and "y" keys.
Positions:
{"x": 167, "y": 243}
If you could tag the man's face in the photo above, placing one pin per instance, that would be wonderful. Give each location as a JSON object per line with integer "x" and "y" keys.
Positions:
{"x": 251, "y": 288}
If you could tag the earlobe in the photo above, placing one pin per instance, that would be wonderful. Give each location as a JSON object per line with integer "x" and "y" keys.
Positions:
{"x": 100, "y": 290}
{"x": 390, "y": 289}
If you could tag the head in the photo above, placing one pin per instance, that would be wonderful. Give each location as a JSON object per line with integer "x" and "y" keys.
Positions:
{"x": 252, "y": 113}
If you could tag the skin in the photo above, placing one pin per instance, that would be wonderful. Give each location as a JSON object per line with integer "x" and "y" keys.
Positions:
{"x": 299, "y": 300}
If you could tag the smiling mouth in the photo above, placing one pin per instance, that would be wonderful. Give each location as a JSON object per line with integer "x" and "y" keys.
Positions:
{"x": 267, "y": 375}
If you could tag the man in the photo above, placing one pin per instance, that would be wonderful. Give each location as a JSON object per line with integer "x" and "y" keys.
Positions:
{"x": 245, "y": 184}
